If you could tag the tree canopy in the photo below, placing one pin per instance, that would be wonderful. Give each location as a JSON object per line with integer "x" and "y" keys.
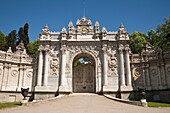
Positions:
{"x": 33, "y": 48}
{"x": 159, "y": 38}
{"x": 137, "y": 41}
{"x": 11, "y": 40}
{"x": 2, "y": 42}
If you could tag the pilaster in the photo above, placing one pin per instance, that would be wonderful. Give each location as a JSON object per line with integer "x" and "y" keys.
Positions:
{"x": 62, "y": 87}
{"x": 127, "y": 64}
{"x": 40, "y": 67}
{"x": 46, "y": 69}
{"x": 105, "y": 63}
{"x": 122, "y": 73}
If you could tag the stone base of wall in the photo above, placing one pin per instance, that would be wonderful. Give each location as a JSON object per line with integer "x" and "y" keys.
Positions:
{"x": 7, "y": 96}
{"x": 44, "y": 95}
{"x": 155, "y": 95}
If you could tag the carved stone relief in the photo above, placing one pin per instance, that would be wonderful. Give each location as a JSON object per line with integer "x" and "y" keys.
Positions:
{"x": 112, "y": 65}
{"x": 168, "y": 69}
{"x": 154, "y": 72}
{"x": 54, "y": 65}
{"x": 14, "y": 73}
{"x": 29, "y": 74}
{"x": 137, "y": 72}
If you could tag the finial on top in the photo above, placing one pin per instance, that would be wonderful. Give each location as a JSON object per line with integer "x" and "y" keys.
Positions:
{"x": 63, "y": 30}
{"x": 97, "y": 24}
{"x": 121, "y": 25}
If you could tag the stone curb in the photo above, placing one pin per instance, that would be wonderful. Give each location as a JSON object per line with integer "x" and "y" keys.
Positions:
{"x": 137, "y": 103}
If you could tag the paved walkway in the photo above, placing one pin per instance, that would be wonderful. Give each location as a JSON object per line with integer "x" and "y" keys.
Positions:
{"x": 83, "y": 104}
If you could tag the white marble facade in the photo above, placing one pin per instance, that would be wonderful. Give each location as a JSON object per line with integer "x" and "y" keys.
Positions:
{"x": 109, "y": 50}
{"x": 114, "y": 69}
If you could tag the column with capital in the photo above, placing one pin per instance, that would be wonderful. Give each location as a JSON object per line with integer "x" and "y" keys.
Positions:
{"x": 46, "y": 69}
{"x": 105, "y": 63}
{"x": 40, "y": 67}
{"x": 122, "y": 73}
{"x": 63, "y": 65}
{"x": 5, "y": 76}
{"x": 127, "y": 64}
{"x": 20, "y": 78}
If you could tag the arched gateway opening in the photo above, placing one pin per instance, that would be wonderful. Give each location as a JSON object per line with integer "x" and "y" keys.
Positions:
{"x": 84, "y": 73}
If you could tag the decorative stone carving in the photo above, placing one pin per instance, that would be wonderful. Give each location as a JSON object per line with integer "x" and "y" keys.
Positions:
{"x": 71, "y": 29}
{"x": 122, "y": 34}
{"x": 64, "y": 31}
{"x": 112, "y": 65}
{"x": 104, "y": 32}
{"x": 137, "y": 72}
{"x": 9, "y": 51}
{"x": 84, "y": 22}
{"x": 154, "y": 72}
{"x": 29, "y": 74}
{"x": 54, "y": 65}
{"x": 14, "y": 73}
{"x": 168, "y": 69}
{"x": 63, "y": 49}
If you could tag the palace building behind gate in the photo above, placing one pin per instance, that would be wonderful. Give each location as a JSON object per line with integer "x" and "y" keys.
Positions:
{"x": 85, "y": 59}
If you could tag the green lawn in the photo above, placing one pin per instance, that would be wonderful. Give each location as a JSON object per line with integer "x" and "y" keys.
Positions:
{"x": 158, "y": 104}
{"x": 9, "y": 104}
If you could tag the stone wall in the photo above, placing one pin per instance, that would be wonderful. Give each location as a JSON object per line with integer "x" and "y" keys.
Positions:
{"x": 16, "y": 71}
{"x": 151, "y": 71}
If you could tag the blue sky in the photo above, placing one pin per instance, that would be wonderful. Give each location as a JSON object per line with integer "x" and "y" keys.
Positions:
{"x": 136, "y": 15}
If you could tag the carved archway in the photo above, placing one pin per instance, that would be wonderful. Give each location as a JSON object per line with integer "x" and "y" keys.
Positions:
{"x": 84, "y": 73}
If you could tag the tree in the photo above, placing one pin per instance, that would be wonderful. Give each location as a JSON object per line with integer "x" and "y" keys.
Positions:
{"x": 137, "y": 41}
{"x": 3, "y": 42}
{"x": 23, "y": 35}
{"x": 164, "y": 33}
{"x": 153, "y": 38}
{"x": 11, "y": 40}
{"x": 33, "y": 48}
{"x": 26, "y": 27}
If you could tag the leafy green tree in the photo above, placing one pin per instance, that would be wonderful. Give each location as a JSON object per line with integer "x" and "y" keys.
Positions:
{"x": 137, "y": 41}
{"x": 164, "y": 33}
{"x": 11, "y": 40}
{"x": 2, "y": 42}
{"x": 153, "y": 38}
{"x": 33, "y": 48}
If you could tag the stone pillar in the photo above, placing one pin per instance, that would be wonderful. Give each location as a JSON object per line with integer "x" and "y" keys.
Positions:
{"x": 5, "y": 77}
{"x": 46, "y": 69}
{"x": 20, "y": 76}
{"x": 127, "y": 64}
{"x": 105, "y": 65}
{"x": 24, "y": 76}
{"x": 63, "y": 65}
{"x": 148, "y": 83}
{"x": 40, "y": 67}
{"x": 122, "y": 73}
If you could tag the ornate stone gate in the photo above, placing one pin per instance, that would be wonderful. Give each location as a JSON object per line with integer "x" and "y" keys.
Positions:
{"x": 108, "y": 51}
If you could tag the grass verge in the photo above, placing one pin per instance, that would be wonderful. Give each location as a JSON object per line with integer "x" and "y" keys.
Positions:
{"x": 9, "y": 104}
{"x": 158, "y": 104}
